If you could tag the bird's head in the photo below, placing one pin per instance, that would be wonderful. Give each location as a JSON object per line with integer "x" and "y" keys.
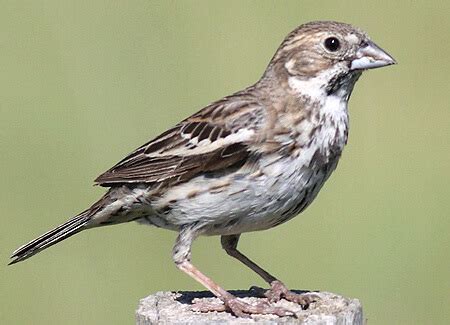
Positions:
{"x": 326, "y": 57}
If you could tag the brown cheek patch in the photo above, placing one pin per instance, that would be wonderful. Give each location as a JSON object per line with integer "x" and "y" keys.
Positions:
{"x": 308, "y": 64}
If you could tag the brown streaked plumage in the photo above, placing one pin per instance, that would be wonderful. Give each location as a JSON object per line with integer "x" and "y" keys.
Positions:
{"x": 247, "y": 162}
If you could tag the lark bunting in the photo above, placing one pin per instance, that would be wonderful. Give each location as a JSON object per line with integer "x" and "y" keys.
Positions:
{"x": 247, "y": 162}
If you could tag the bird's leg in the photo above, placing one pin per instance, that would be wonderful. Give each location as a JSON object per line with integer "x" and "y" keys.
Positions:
{"x": 182, "y": 256}
{"x": 229, "y": 244}
{"x": 278, "y": 289}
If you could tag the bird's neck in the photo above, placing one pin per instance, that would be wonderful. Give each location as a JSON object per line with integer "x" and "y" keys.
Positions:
{"x": 326, "y": 99}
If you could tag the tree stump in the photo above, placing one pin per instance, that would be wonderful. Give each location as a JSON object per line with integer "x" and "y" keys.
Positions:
{"x": 175, "y": 308}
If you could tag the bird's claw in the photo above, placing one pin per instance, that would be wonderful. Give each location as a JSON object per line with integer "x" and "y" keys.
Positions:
{"x": 242, "y": 309}
{"x": 279, "y": 291}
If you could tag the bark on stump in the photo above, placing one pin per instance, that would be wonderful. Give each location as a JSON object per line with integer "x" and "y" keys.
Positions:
{"x": 174, "y": 308}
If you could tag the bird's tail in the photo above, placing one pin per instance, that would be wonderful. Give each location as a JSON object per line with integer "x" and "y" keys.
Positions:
{"x": 67, "y": 229}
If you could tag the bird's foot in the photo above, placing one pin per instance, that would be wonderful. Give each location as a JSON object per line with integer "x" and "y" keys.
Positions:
{"x": 242, "y": 309}
{"x": 279, "y": 291}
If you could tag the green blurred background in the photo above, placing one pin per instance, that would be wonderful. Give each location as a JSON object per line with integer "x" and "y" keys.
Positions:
{"x": 82, "y": 83}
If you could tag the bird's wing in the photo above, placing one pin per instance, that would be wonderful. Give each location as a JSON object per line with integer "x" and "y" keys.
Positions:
{"x": 205, "y": 142}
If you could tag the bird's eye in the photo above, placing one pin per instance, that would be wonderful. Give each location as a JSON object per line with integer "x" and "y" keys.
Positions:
{"x": 332, "y": 44}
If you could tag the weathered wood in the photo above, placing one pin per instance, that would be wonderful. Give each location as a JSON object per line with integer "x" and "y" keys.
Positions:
{"x": 175, "y": 308}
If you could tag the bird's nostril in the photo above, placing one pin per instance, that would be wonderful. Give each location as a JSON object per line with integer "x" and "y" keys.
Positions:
{"x": 364, "y": 43}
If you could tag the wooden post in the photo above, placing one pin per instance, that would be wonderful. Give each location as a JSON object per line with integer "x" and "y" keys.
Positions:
{"x": 174, "y": 308}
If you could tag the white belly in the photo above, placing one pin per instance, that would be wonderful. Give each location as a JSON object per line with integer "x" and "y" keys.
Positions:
{"x": 240, "y": 203}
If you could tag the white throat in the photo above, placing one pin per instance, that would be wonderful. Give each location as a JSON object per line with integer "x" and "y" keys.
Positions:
{"x": 333, "y": 106}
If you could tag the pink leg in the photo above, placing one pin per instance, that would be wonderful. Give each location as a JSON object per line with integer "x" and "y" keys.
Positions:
{"x": 278, "y": 289}
{"x": 181, "y": 256}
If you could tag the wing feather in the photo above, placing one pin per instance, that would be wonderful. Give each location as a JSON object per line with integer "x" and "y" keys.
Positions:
{"x": 216, "y": 138}
{"x": 180, "y": 154}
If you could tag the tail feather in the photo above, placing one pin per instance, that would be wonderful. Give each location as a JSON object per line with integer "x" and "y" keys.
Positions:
{"x": 67, "y": 229}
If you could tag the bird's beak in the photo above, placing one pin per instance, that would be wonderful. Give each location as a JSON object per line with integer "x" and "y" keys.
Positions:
{"x": 371, "y": 56}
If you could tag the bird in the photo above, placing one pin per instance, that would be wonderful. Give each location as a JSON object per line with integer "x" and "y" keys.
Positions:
{"x": 248, "y": 162}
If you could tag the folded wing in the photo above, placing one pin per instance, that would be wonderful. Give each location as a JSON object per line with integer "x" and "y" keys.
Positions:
{"x": 193, "y": 146}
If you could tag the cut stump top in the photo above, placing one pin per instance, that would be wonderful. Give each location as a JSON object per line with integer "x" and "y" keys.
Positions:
{"x": 175, "y": 308}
